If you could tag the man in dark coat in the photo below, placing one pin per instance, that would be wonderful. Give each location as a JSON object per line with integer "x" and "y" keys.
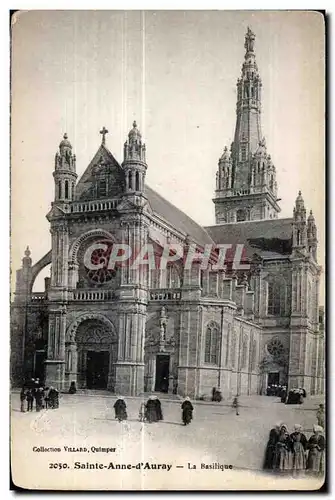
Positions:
{"x": 39, "y": 398}
{"x": 270, "y": 447}
{"x": 30, "y": 399}
{"x": 120, "y": 408}
{"x": 187, "y": 411}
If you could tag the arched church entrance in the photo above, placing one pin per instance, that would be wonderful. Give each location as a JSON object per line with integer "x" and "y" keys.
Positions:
{"x": 95, "y": 349}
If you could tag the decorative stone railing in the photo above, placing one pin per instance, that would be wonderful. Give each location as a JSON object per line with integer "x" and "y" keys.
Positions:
{"x": 92, "y": 295}
{"x": 164, "y": 294}
{"x": 93, "y": 206}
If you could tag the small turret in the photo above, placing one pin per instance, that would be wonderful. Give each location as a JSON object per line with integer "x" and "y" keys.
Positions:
{"x": 134, "y": 162}
{"x": 312, "y": 236}
{"x": 26, "y": 261}
{"x": 299, "y": 224}
{"x": 224, "y": 171}
{"x": 65, "y": 172}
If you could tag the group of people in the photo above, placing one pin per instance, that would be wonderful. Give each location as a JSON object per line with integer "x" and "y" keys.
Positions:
{"x": 151, "y": 411}
{"x": 44, "y": 397}
{"x": 275, "y": 390}
{"x": 293, "y": 452}
{"x": 295, "y": 396}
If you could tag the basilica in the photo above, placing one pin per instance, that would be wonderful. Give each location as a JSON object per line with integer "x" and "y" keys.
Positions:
{"x": 176, "y": 330}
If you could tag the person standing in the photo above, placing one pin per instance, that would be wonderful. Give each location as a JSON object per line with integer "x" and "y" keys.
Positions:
{"x": 320, "y": 416}
{"x": 141, "y": 413}
{"x": 270, "y": 447}
{"x": 151, "y": 410}
{"x": 316, "y": 446}
{"x": 23, "y": 397}
{"x": 236, "y": 404}
{"x": 30, "y": 400}
{"x": 120, "y": 408}
{"x": 187, "y": 411}
{"x": 158, "y": 406}
{"x": 38, "y": 399}
{"x": 298, "y": 448}
{"x": 281, "y": 459}
{"x": 73, "y": 388}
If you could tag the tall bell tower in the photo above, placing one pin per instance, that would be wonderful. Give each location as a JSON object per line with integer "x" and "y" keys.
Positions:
{"x": 246, "y": 187}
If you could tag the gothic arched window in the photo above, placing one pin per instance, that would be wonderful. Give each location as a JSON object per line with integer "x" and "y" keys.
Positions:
{"x": 102, "y": 190}
{"x": 66, "y": 195}
{"x": 253, "y": 355}
{"x": 277, "y": 291}
{"x": 59, "y": 189}
{"x": 244, "y": 353}
{"x": 137, "y": 178}
{"x": 173, "y": 277}
{"x": 212, "y": 343}
{"x": 130, "y": 181}
{"x": 233, "y": 350}
{"x": 228, "y": 344}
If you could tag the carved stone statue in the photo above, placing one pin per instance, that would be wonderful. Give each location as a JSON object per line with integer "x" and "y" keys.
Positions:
{"x": 249, "y": 41}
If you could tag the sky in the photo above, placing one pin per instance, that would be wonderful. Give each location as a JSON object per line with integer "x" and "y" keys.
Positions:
{"x": 175, "y": 72}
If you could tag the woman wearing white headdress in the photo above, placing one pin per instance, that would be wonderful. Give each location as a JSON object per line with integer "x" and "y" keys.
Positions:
{"x": 187, "y": 411}
{"x": 316, "y": 446}
{"x": 299, "y": 446}
{"x": 281, "y": 458}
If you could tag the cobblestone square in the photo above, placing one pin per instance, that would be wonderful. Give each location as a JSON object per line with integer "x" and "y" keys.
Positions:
{"x": 215, "y": 436}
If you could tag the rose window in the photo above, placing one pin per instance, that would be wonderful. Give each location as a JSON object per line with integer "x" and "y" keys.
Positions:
{"x": 275, "y": 348}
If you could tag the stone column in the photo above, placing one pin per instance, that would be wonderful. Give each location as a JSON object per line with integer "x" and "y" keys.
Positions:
{"x": 55, "y": 364}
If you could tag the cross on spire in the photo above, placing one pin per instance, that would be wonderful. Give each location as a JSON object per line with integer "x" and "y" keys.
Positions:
{"x": 103, "y": 132}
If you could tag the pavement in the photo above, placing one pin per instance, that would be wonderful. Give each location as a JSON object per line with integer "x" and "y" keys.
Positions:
{"x": 215, "y": 436}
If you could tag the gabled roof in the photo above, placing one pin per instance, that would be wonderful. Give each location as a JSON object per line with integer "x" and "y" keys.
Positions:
{"x": 267, "y": 238}
{"x": 176, "y": 218}
{"x": 86, "y": 181}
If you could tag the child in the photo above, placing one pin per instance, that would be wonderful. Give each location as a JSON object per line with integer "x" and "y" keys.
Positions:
{"x": 236, "y": 404}
{"x": 142, "y": 412}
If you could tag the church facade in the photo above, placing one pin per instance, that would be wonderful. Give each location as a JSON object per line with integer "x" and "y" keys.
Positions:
{"x": 179, "y": 330}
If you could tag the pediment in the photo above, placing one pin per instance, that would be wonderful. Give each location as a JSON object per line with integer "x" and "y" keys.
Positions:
{"x": 102, "y": 168}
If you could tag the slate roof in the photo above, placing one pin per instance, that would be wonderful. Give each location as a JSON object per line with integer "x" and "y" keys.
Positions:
{"x": 178, "y": 219}
{"x": 270, "y": 238}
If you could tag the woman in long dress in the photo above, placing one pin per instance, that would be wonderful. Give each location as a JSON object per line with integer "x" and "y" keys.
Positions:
{"x": 281, "y": 458}
{"x": 159, "y": 413}
{"x": 120, "y": 408}
{"x": 298, "y": 447}
{"x": 151, "y": 410}
{"x": 270, "y": 447}
{"x": 316, "y": 451}
{"x": 187, "y": 411}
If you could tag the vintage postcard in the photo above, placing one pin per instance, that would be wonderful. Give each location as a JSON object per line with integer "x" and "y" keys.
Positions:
{"x": 168, "y": 240}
